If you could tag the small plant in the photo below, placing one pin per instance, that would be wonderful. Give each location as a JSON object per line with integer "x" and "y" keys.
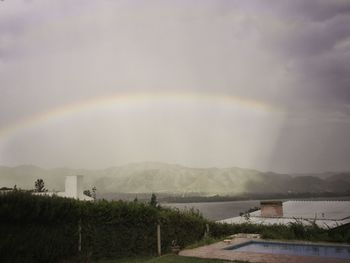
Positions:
{"x": 175, "y": 248}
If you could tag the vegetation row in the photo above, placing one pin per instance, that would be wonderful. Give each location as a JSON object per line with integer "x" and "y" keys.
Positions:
{"x": 48, "y": 229}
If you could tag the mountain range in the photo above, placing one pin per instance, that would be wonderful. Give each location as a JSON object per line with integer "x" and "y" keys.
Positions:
{"x": 150, "y": 177}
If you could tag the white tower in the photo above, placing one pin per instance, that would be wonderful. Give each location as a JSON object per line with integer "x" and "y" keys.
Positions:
{"x": 74, "y": 186}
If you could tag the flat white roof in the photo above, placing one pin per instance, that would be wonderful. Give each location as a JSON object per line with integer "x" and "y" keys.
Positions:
{"x": 325, "y": 213}
{"x": 63, "y": 194}
{"x": 335, "y": 210}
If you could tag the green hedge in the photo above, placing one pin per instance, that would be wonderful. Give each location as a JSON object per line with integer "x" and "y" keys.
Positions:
{"x": 36, "y": 243}
{"x": 118, "y": 229}
{"x": 37, "y": 229}
{"x": 184, "y": 227}
{"x": 45, "y": 229}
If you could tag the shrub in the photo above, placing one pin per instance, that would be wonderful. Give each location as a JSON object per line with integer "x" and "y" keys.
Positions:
{"x": 45, "y": 229}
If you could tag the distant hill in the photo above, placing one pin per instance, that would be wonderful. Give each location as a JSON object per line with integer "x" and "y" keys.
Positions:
{"x": 171, "y": 178}
{"x": 339, "y": 176}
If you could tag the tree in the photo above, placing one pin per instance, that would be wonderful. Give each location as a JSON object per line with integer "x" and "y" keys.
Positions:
{"x": 153, "y": 202}
{"x": 39, "y": 186}
{"x": 87, "y": 192}
{"x": 93, "y": 195}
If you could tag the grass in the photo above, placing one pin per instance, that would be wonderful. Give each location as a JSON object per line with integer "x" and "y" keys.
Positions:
{"x": 166, "y": 259}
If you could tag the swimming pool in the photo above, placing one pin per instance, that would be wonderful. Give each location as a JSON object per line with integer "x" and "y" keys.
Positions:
{"x": 293, "y": 249}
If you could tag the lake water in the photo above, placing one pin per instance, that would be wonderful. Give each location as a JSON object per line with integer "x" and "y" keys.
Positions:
{"x": 223, "y": 210}
{"x": 218, "y": 210}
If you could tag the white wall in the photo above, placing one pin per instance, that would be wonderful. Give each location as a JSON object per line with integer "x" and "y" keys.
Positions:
{"x": 74, "y": 186}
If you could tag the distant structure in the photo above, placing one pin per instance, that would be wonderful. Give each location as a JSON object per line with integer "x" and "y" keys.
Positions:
{"x": 325, "y": 214}
{"x": 4, "y": 190}
{"x": 271, "y": 208}
{"x": 73, "y": 189}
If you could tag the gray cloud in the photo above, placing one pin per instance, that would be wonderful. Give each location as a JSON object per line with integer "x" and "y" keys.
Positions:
{"x": 290, "y": 54}
{"x": 315, "y": 10}
{"x": 312, "y": 37}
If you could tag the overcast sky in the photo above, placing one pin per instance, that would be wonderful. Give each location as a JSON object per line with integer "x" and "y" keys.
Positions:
{"x": 255, "y": 84}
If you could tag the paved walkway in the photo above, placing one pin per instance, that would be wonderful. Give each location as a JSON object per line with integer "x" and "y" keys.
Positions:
{"x": 216, "y": 251}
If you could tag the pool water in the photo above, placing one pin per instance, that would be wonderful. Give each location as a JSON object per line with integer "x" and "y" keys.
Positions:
{"x": 293, "y": 249}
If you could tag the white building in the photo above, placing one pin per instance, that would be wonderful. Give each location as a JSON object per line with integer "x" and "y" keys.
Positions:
{"x": 326, "y": 214}
{"x": 73, "y": 189}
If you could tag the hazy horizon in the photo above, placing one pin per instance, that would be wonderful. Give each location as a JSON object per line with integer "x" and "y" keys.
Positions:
{"x": 170, "y": 178}
{"x": 174, "y": 164}
{"x": 253, "y": 84}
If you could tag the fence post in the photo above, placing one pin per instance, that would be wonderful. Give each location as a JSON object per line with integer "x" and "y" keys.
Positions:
{"x": 159, "y": 241}
{"x": 206, "y": 232}
{"x": 79, "y": 233}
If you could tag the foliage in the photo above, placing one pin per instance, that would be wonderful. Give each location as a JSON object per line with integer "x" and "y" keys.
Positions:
{"x": 293, "y": 231}
{"x": 153, "y": 202}
{"x": 35, "y": 228}
{"x": 183, "y": 227}
{"x": 45, "y": 229}
{"x": 39, "y": 186}
{"x": 87, "y": 193}
{"x": 91, "y": 193}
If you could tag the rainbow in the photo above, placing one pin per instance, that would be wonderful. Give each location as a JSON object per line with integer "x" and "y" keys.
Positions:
{"x": 130, "y": 98}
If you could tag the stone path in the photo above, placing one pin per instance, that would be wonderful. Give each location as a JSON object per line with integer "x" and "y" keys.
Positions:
{"x": 216, "y": 251}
